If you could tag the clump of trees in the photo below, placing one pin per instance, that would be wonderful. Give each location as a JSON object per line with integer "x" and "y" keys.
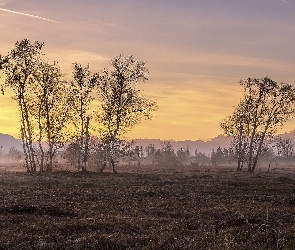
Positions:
{"x": 166, "y": 155}
{"x": 12, "y": 155}
{"x": 201, "y": 159}
{"x": 265, "y": 106}
{"x": 57, "y": 112}
{"x": 21, "y": 68}
{"x": 279, "y": 150}
{"x": 222, "y": 156}
{"x": 285, "y": 147}
{"x": 122, "y": 104}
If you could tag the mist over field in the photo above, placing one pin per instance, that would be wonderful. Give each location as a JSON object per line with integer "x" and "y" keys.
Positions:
{"x": 147, "y": 124}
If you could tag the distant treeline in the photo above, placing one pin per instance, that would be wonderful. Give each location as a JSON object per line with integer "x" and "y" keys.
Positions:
{"x": 128, "y": 153}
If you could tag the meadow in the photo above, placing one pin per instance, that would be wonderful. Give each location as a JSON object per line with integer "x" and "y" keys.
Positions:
{"x": 148, "y": 209}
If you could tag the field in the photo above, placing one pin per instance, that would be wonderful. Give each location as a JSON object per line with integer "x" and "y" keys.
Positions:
{"x": 160, "y": 209}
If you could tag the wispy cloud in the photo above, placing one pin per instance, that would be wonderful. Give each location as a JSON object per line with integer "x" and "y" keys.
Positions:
{"x": 28, "y": 15}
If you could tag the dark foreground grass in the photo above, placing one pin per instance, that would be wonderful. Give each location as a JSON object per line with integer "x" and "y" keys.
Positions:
{"x": 220, "y": 209}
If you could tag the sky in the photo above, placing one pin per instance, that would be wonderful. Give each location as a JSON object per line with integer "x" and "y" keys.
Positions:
{"x": 196, "y": 51}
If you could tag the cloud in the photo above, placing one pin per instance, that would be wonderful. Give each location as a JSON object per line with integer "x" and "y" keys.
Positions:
{"x": 28, "y": 15}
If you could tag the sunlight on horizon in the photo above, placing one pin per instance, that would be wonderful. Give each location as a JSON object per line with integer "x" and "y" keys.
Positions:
{"x": 196, "y": 52}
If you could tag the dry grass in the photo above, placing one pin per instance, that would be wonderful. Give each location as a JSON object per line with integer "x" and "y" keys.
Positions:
{"x": 173, "y": 209}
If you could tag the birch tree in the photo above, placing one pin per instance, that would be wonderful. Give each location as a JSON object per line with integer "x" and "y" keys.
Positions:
{"x": 237, "y": 128}
{"x": 51, "y": 109}
{"x": 122, "y": 104}
{"x": 20, "y": 67}
{"x": 81, "y": 90}
{"x": 266, "y": 105}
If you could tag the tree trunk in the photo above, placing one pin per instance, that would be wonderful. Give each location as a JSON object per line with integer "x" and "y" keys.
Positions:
{"x": 104, "y": 164}
{"x": 255, "y": 125}
{"x": 112, "y": 154}
{"x": 42, "y": 157}
{"x": 259, "y": 147}
{"x": 86, "y": 146}
{"x": 240, "y": 150}
{"x": 40, "y": 143}
{"x": 239, "y": 165}
{"x": 49, "y": 167}
{"x": 81, "y": 148}
{"x": 29, "y": 137}
{"x": 25, "y": 149}
{"x": 250, "y": 159}
{"x": 32, "y": 151}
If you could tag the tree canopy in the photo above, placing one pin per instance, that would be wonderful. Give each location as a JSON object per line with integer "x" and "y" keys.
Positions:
{"x": 122, "y": 104}
{"x": 50, "y": 105}
{"x": 265, "y": 106}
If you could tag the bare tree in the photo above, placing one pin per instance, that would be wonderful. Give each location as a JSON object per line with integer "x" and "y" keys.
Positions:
{"x": 51, "y": 109}
{"x": 266, "y": 105}
{"x": 122, "y": 104}
{"x": 237, "y": 128}
{"x": 285, "y": 147}
{"x": 21, "y": 72}
{"x": 82, "y": 96}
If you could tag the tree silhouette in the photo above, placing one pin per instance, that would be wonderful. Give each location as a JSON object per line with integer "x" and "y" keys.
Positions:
{"x": 81, "y": 90}
{"x": 266, "y": 105}
{"x": 122, "y": 104}
{"x": 51, "y": 109}
{"x": 46, "y": 103}
{"x": 237, "y": 128}
{"x": 21, "y": 71}
{"x": 285, "y": 147}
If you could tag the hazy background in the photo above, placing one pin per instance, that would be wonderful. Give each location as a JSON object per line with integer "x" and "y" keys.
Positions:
{"x": 196, "y": 51}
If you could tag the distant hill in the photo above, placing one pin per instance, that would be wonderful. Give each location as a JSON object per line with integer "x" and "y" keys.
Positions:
{"x": 8, "y": 141}
{"x": 290, "y": 135}
{"x": 201, "y": 146}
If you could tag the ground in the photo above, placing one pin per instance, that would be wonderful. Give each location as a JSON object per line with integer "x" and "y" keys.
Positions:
{"x": 160, "y": 209}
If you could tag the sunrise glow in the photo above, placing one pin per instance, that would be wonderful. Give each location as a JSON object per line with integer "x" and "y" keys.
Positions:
{"x": 196, "y": 52}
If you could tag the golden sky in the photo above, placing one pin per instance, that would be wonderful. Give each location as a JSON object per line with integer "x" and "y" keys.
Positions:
{"x": 196, "y": 51}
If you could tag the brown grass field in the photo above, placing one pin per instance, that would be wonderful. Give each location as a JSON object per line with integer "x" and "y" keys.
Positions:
{"x": 159, "y": 209}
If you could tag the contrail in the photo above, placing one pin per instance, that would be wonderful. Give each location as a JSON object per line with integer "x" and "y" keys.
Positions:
{"x": 24, "y": 14}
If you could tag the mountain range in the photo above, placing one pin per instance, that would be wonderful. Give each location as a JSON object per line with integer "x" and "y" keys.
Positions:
{"x": 206, "y": 147}
{"x": 7, "y": 142}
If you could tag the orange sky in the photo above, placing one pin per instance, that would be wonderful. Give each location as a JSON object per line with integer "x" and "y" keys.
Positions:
{"x": 196, "y": 51}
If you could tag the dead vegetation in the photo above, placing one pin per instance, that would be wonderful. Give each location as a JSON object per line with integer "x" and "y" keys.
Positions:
{"x": 219, "y": 209}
